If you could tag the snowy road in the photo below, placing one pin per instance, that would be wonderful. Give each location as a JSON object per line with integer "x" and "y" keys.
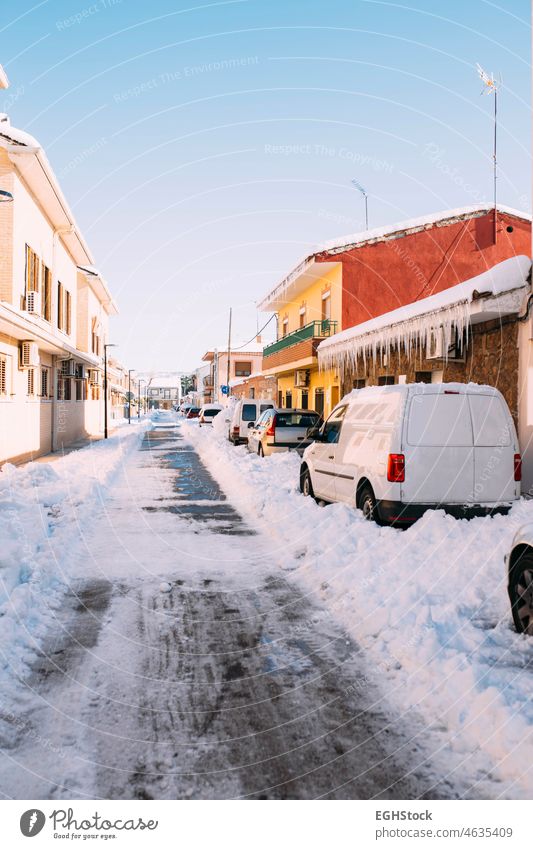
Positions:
{"x": 183, "y": 664}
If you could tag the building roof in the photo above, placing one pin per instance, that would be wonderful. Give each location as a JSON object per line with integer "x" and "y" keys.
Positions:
{"x": 453, "y": 307}
{"x": 30, "y": 160}
{"x": 251, "y": 348}
{"x": 165, "y": 381}
{"x": 100, "y": 287}
{"x": 387, "y": 232}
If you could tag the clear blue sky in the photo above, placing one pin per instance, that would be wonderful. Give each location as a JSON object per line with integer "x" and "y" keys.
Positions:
{"x": 204, "y": 147}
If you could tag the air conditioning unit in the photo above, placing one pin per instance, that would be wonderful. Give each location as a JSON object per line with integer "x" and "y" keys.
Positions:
{"x": 435, "y": 348}
{"x": 94, "y": 376}
{"x": 33, "y": 302}
{"x": 29, "y": 354}
{"x": 80, "y": 371}
{"x": 301, "y": 378}
{"x": 67, "y": 368}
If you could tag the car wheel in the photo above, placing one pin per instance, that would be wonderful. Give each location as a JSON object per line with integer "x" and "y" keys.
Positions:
{"x": 260, "y": 451}
{"x": 367, "y": 504}
{"x": 521, "y": 592}
{"x": 306, "y": 485}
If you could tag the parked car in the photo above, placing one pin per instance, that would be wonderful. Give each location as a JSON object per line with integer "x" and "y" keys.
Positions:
{"x": 397, "y": 451}
{"x": 245, "y": 413}
{"x": 519, "y": 565}
{"x": 192, "y": 412}
{"x": 282, "y": 430}
{"x": 208, "y": 413}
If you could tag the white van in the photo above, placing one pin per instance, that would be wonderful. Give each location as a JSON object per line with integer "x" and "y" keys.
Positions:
{"x": 396, "y": 451}
{"x": 245, "y": 413}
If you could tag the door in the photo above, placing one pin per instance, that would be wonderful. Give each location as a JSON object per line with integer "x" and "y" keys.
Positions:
{"x": 494, "y": 449}
{"x": 324, "y": 456}
{"x": 439, "y": 450}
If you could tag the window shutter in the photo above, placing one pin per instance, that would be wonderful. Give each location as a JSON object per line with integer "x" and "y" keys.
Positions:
{"x": 3, "y": 376}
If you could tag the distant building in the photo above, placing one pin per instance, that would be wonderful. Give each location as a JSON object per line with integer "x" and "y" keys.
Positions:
{"x": 242, "y": 364}
{"x": 257, "y": 386}
{"x": 164, "y": 390}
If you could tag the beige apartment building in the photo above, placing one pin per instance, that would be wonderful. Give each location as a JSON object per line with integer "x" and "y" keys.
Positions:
{"x": 243, "y": 363}
{"x": 54, "y": 310}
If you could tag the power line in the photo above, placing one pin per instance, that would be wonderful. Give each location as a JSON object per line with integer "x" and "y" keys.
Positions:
{"x": 256, "y": 334}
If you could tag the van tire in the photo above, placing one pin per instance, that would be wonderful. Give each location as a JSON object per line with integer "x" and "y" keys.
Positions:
{"x": 368, "y": 504}
{"x": 521, "y": 578}
{"x": 306, "y": 484}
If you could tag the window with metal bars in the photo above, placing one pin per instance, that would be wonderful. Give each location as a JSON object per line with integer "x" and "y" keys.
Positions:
{"x": 31, "y": 381}
{"x": 3, "y": 374}
{"x": 45, "y": 382}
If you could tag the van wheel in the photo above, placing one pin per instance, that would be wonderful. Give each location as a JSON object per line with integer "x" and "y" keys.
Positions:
{"x": 367, "y": 504}
{"x": 521, "y": 593}
{"x": 260, "y": 451}
{"x": 306, "y": 485}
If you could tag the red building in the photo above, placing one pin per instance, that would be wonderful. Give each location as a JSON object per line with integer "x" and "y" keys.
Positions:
{"x": 396, "y": 265}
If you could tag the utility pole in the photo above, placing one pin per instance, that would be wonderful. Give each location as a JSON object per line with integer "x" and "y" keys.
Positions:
{"x": 129, "y": 394}
{"x": 491, "y": 87}
{"x": 229, "y": 350}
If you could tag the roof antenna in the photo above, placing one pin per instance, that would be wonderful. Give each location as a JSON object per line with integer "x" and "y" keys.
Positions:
{"x": 363, "y": 191}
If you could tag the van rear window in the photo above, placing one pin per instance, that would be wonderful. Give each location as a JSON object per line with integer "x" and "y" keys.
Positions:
{"x": 264, "y": 407}
{"x": 439, "y": 420}
{"x": 249, "y": 412}
{"x": 296, "y": 419}
{"x": 490, "y": 421}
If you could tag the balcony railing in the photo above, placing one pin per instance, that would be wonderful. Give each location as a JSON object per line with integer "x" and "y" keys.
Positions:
{"x": 313, "y": 330}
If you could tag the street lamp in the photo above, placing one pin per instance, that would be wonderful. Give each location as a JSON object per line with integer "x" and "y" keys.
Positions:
{"x": 359, "y": 188}
{"x": 106, "y": 346}
{"x": 130, "y": 371}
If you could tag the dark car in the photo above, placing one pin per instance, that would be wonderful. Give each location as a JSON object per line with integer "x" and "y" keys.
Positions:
{"x": 192, "y": 413}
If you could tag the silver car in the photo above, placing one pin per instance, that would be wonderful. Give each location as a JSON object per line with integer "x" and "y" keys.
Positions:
{"x": 519, "y": 563}
{"x": 282, "y": 430}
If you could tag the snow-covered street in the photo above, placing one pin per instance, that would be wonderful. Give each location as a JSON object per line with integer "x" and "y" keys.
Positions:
{"x": 184, "y": 624}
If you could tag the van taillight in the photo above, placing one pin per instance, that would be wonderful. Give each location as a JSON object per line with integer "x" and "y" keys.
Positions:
{"x": 236, "y": 429}
{"x": 517, "y": 467}
{"x": 396, "y": 468}
{"x": 272, "y": 429}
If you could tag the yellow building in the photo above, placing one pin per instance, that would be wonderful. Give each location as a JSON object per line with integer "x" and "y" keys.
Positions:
{"x": 308, "y": 306}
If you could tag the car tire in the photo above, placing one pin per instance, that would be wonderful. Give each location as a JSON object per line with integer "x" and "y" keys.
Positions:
{"x": 521, "y": 592}
{"x": 306, "y": 484}
{"x": 260, "y": 451}
{"x": 367, "y": 504}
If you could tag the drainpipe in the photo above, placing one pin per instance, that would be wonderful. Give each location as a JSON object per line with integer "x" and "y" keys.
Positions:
{"x": 54, "y": 403}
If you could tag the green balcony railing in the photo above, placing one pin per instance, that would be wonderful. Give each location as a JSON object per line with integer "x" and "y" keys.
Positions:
{"x": 313, "y": 330}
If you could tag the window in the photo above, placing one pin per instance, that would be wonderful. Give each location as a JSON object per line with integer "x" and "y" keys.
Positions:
{"x": 302, "y": 316}
{"x": 285, "y": 327}
{"x": 326, "y": 306}
{"x": 46, "y": 304}
{"x": 3, "y": 374}
{"x": 297, "y": 420}
{"x": 252, "y": 392}
{"x": 167, "y": 393}
{"x": 64, "y": 389}
{"x": 386, "y": 380}
{"x": 68, "y": 312}
{"x": 280, "y": 398}
{"x": 249, "y": 412}
{"x": 80, "y": 384}
{"x": 319, "y": 401}
{"x": 305, "y": 399}
{"x": 332, "y": 428}
{"x": 60, "y": 306}
{"x": 33, "y": 267}
{"x": 95, "y": 336}
{"x": 288, "y": 399}
{"x": 243, "y": 369}
{"x": 264, "y": 407}
{"x": 423, "y": 377}
{"x": 45, "y": 382}
{"x": 31, "y": 381}
{"x": 359, "y": 383}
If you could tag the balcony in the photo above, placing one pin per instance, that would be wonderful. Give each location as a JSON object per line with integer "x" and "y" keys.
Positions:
{"x": 313, "y": 330}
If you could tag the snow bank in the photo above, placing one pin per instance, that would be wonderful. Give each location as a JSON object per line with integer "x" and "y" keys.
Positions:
{"x": 428, "y": 605}
{"x": 44, "y": 509}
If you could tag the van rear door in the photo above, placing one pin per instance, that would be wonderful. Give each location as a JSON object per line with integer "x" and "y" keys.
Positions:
{"x": 439, "y": 449}
{"x": 494, "y": 448}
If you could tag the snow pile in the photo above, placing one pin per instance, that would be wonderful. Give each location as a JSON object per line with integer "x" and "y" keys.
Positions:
{"x": 428, "y": 605}
{"x": 418, "y": 323}
{"x": 45, "y": 508}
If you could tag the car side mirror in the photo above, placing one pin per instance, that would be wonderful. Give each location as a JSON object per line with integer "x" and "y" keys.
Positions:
{"x": 314, "y": 433}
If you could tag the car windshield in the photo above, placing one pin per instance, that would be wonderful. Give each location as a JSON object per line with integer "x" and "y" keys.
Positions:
{"x": 211, "y": 412}
{"x": 301, "y": 420}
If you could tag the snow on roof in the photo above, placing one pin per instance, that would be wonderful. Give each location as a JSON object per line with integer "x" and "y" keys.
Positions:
{"x": 14, "y": 135}
{"x": 448, "y": 309}
{"x": 388, "y": 231}
{"x": 165, "y": 381}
